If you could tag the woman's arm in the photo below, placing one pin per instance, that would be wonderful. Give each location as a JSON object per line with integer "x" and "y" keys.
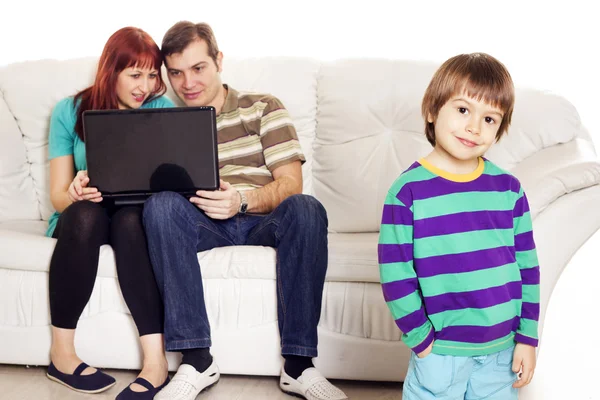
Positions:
{"x": 66, "y": 187}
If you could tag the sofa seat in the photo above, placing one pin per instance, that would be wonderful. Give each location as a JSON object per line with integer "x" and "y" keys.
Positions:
{"x": 240, "y": 293}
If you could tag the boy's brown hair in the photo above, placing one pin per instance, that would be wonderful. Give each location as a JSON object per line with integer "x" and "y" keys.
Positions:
{"x": 481, "y": 77}
{"x": 180, "y": 35}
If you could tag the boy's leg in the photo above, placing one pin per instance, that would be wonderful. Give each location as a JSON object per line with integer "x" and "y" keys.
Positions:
{"x": 492, "y": 377}
{"x": 437, "y": 377}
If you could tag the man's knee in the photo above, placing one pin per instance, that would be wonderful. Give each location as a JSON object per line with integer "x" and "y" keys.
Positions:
{"x": 306, "y": 207}
{"x": 159, "y": 208}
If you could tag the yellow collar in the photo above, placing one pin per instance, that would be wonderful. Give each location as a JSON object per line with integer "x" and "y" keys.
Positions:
{"x": 471, "y": 176}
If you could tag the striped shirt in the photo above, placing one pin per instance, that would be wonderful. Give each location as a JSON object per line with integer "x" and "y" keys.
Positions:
{"x": 255, "y": 136}
{"x": 457, "y": 260}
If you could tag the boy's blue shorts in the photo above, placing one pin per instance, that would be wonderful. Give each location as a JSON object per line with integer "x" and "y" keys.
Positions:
{"x": 461, "y": 378}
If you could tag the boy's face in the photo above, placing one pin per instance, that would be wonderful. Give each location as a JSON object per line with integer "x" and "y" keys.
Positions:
{"x": 194, "y": 76}
{"x": 465, "y": 128}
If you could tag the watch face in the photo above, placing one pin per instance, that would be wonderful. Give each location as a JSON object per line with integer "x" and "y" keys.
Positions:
{"x": 244, "y": 207}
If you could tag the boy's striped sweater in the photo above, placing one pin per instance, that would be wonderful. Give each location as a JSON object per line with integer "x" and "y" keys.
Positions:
{"x": 458, "y": 262}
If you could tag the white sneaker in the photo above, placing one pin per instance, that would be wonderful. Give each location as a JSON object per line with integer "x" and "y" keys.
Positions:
{"x": 311, "y": 385}
{"x": 187, "y": 383}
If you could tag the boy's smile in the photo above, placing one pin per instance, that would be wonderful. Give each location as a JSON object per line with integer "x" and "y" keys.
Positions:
{"x": 465, "y": 128}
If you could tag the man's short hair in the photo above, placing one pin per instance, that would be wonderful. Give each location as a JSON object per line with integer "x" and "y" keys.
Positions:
{"x": 481, "y": 77}
{"x": 180, "y": 35}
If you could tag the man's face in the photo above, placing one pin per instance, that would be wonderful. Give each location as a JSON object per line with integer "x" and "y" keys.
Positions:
{"x": 195, "y": 77}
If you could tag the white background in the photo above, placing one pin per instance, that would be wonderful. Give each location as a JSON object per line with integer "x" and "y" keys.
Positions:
{"x": 547, "y": 45}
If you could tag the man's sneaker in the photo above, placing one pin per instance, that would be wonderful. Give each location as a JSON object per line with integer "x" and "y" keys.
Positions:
{"x": 187, "y": 383}
{"x": 311, "y": 385}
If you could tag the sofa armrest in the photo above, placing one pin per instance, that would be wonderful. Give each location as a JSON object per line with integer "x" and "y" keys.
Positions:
{"x": 556, "y": 171}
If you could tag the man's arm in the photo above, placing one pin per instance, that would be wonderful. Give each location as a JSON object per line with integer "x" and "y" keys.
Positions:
{"x": 283, "y": 157}
{"x": 225, "y": 203}
{"x": 288, "y": 181}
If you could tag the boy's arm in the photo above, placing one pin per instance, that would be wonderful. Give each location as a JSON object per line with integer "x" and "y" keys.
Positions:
{"x": 398, "y": 276}
{"x": 527, "y": 259}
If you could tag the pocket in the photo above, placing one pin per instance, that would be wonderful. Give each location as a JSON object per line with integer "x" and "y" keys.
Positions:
{"x": 434, "y": 373}
{"x": 504, "y": 359}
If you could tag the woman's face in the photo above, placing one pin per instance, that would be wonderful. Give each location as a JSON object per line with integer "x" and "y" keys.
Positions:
{"x": 134, "y": 85}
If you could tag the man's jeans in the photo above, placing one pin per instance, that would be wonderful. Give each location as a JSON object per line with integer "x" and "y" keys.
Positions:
{"x": 177, "y": 230}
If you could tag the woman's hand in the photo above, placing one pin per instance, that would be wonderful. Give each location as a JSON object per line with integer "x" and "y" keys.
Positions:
{"x": 78, "y": 189}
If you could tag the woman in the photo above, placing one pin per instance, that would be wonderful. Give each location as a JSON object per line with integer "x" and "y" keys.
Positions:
{"x": 128, "y": 77}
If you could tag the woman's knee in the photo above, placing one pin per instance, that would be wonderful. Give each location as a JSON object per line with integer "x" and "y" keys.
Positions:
{"x": 127, "y": 219}
{"x": 86, "y": 218}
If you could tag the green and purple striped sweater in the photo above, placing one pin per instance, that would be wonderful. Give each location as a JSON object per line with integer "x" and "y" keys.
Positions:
{"x": 458, "y": 262}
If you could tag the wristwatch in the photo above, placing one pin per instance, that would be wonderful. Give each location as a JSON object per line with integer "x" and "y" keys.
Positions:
{"x": 243, "y": 203}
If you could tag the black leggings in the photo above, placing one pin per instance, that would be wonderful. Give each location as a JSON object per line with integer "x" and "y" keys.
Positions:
{"x": 81, "y": 229}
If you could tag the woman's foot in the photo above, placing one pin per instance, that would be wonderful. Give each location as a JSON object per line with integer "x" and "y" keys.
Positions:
{"x": 92, "y": 383}
{"x": 63, "y": 354}
{"x": 66, "y": 363}
{"x": 155, "y": 373}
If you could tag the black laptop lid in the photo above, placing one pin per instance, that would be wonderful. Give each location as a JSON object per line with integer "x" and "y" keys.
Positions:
{"x": 144, "y": 151}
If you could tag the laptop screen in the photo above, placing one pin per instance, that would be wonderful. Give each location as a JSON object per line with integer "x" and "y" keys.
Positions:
{"x": 150, "y": 150}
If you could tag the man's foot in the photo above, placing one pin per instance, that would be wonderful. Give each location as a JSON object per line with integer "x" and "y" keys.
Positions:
{"x": 294, "y": 366}
{"x": 187, "y": 383}
{"x": 199, "y": 358}
{"x": 311, "y": 385}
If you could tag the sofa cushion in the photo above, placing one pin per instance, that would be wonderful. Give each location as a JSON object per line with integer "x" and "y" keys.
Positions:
{"x": 352, "y": 257}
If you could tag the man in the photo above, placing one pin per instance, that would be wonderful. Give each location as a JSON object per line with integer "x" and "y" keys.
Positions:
{"x": 260, "y": 203}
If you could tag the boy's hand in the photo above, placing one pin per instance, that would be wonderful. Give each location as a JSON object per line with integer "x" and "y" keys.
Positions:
{"x": 426, "y": 352}
{"x": 523, "y": 361}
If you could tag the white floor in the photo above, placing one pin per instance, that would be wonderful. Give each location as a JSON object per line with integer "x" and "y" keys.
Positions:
{"x": 21, "y": 383}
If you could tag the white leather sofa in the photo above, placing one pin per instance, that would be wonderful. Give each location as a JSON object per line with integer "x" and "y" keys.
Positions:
{"x": 359, "y": 125}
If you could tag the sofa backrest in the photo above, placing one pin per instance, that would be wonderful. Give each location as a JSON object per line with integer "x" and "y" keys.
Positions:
{"x": 370, "y": 129}
{"x": 358, "y": 122}
{"x": 29, "y": 91}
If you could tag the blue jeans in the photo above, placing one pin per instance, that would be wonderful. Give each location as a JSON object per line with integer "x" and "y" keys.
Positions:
{"x": 461, "y": 378}
{"x": 177, "y": 230}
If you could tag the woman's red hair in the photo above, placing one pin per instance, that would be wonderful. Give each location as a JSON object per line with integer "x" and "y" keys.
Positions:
{"x": 127, "y": 47}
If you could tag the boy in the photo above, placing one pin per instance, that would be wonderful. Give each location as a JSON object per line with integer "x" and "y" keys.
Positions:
{"x": 458, "y": 264}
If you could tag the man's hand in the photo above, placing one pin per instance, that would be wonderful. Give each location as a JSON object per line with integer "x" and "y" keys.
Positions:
{"x": 218, "y": 204}
{"x": 524, "y": 362}
{"x": 426, "y": 352}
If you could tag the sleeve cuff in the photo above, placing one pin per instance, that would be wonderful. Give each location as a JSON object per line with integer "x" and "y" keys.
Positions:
{"x": 519, "y": 338}
{"x": 424, "y": 344}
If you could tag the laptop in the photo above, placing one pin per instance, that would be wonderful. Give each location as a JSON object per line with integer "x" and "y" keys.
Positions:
{"x": 132, "y": 154}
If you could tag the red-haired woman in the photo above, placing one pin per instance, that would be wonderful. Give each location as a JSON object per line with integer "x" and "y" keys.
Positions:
{"x": 128, "y": 77}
